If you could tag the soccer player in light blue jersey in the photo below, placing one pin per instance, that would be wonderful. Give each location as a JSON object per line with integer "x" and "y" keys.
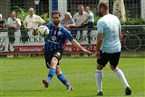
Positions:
{"x": 108, "y": 47}
{"x": 53, "y": 48}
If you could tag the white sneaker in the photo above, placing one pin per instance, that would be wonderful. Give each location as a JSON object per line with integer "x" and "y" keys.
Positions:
{"x": 70, "y": 88}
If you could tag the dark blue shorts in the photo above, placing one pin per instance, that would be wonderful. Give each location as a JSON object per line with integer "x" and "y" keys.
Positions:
{"x": 49, "y": 54}
{"x": 113, "y": 58}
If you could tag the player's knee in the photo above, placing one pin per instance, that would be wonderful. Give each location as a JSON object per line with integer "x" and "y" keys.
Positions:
{"x": 112, "y": 67}
{"x": 54, "y": 61}
{"x": 99, "y": 67}
{"x": 58, "y": 70}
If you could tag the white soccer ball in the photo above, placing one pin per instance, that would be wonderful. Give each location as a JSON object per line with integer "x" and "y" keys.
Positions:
{"x": 43, "y": 30}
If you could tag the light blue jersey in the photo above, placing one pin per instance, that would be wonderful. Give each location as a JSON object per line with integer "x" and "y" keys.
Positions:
{"x": 91, "y": 17}
{"x": 109, "y": 25}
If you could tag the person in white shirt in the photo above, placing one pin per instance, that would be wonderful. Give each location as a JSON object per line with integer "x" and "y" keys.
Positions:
{"x": 79, "y": 17}
{"x": 2, "y": 22}
{"x": 3, "y": 33}
{"x": 88, "y": 22}
{"x": 14, "y": 34}
{"x": 32, "y": 21}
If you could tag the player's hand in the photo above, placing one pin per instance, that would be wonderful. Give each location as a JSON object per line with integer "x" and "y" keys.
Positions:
{"x": 98, "y": 54}
{"x": 35, "y": 32}
{"x": 87, "y": 51}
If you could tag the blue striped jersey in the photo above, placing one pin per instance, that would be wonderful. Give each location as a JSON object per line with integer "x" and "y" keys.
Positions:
{"x": 56, "y": 38}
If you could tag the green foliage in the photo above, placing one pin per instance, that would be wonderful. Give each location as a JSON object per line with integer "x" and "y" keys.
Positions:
{"x": 129, "y": 21}
{"x": 45, "y": 17}
{"x": 96, "y": 18}
{"x": 133, "y": 21}
{"x": 135, "y": 29}
{"x": 21, "y": 13}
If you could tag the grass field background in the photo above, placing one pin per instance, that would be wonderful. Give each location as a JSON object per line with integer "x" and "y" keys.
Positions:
{"x": 22, "y": 76}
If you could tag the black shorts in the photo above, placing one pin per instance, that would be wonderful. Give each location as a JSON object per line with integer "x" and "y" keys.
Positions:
{"x": 113, "y": 58}
{"x": 49, "y": 54}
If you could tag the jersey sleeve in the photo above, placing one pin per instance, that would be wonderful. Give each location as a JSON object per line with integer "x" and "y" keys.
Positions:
{"x": 67, "y": 34}
{"x": 48, "y": 25}
{"x": 100, "y": 27}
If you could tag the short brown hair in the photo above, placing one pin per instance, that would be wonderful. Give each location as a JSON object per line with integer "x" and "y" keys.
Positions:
{"x": 103, "y": 5}
{"x": 81, "y": 6}
{"x": 55, "y": 12}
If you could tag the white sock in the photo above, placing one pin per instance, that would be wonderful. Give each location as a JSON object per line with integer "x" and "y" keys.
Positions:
{"x": 99, "y": 78}
{"x": 121, "y": 76}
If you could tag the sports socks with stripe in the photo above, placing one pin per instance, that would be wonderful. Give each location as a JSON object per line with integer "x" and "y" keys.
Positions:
{"x": 62, "y": 78}
{"x": 50, "y": 74}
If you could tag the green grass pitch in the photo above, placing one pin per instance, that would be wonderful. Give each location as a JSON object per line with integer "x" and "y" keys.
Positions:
{"x": 21, "y": 77}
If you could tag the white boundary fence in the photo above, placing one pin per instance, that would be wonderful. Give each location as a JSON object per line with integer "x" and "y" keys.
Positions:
{"x": 34, "y": 45}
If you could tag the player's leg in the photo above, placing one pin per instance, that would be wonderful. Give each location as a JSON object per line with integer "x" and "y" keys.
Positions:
{"x": 101, "y": 62}
{"x": 62, "y": 78}
{"x": 99, "y": 79}
{"x": 51, "y": 71}
{"x": 114, "y": 60}
{"x": 51, "y": 62}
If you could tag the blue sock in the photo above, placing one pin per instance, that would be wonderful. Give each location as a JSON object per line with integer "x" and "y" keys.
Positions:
{"x": 50, "y": 74}
{"x": 62, "y": 78}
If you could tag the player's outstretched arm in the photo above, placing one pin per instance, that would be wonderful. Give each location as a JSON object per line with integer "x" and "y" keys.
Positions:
{"x": 76, "y": 44}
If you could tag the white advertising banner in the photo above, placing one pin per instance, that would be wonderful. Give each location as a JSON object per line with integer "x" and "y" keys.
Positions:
{"x": 20, "y": 45}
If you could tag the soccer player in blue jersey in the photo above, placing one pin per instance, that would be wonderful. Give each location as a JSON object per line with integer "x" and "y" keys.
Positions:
{"x": 53, "y": 49}
{"x": 108, "y": 47}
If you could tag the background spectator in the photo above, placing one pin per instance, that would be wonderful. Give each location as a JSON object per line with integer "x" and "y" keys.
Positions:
{"x": 32, "y": 21}
{"x": 79, "y": 17}
{"x": 3, "y": 34}
{"x": 14, "y": 25}
{"x": 88, "y": 22}
{"x": 2, "y": 22}
{"x": 68, "y": 21}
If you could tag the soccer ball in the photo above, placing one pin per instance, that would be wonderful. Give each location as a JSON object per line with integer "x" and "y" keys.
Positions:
{"x": 43, "y": 30}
